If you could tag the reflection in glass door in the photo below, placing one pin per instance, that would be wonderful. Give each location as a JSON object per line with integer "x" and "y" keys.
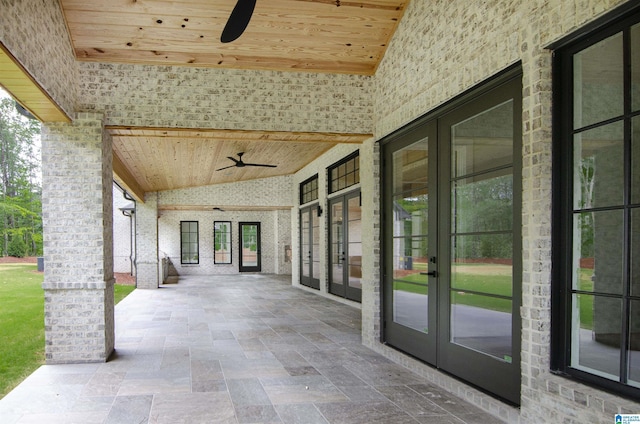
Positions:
{"x": 480, "y": 244}
{"x": 452, "y": 241}
{"x": 410, "y": 300}
{"x": 345, "y": 247}
{"x": 250, "y": 260}
{"x": 310, "y": 247}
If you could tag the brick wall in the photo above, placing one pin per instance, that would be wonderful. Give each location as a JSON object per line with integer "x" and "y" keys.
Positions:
{"x": 276, "y": 192}
{"x": 319, "y": 166}
{"x": 272, "y": 254}
{"x": 148, "y": 274}
{"x": 443, "y": 49}
{"x": 77, "y": 219}
{"x": 189, "y": 97}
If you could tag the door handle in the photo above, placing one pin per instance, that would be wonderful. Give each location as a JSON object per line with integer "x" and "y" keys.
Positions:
{"x": 430, "y": 273}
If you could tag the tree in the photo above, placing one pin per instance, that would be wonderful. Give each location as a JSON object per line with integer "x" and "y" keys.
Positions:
{"x": 20, "y": 190}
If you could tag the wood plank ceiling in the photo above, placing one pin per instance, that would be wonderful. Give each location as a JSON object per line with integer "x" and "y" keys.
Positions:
{"x": 334, "y": 36}
{"x": 327, "y": 36}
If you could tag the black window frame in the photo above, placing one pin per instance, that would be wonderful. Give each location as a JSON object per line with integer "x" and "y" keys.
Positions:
{"x": 309, "y": 190}
{"x": 195, "y": 261}
{"x": 618, "y": 20}
{"x": 350, "y": 165}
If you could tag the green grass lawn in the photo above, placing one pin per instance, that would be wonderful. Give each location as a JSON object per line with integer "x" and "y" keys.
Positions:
{"x": 22, "y": 322}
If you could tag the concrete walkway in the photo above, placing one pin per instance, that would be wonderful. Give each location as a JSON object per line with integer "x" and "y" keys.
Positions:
{"x": 234, "y": 349}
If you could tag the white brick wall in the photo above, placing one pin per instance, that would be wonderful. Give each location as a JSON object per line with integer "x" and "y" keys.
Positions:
{"x": 273, "y": 192}
{"x": 443, "y": 49}
{"x": 148, "y": 275}
{"x": 272, "y": 254}
{"x": 319, "y": 166}
{"x": 189, "y": 97}
{"x": 78, "y": 244}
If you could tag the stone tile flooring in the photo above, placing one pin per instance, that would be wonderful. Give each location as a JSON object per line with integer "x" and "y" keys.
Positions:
{"x": 234, "y": 349}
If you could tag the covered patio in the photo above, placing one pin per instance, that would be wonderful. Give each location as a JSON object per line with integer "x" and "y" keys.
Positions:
{"x": 234, "y": 349}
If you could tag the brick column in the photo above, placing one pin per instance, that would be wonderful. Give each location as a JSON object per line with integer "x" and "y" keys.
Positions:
{"x": 78, "y": 248}
{"x": 147, "y": 264}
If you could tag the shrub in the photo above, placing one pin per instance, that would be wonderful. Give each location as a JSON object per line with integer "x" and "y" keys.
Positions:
{"x": 17, "y": 247}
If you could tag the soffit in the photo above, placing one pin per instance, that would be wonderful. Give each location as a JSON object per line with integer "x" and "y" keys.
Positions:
{"x": 152, "y": 159}
{"x": 17, "y": 81}
{"x": 334, "y": 36}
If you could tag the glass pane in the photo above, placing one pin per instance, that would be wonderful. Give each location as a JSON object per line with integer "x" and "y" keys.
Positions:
{"x": 411, "y": 305}
{"x": 482, "y": 323}
{"x": 337, "y": 242}
{"x": 598, "y": 239}
{"x": 635, "y": 251}
{"x": 410, "y": 214}
{"x": 483, "y": 203}
{"x": 483, "y": 142}
{"x": 598, "y": 171}
{"x": 598, "y": 84}
{"x": 634, "y": 343}
{"x": 482, "y": 263}
{"x": 635, "y": 160}
{"x": 410, "y": 258}
{"x": 355, "y": 212}
{"x": 635, "y": 67}
{"x": 355, "y": 265}
{"x": 490, "y": 278}
{"x": 595, "y": 334}
{"x": 410, "y": 167}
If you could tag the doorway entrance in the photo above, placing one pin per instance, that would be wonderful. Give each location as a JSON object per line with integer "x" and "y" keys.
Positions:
{"x": 452, "y": 246}
{"x": 310, "y": 247}
{"x": 250, "y": 260}
{"x": 345, "y": 246}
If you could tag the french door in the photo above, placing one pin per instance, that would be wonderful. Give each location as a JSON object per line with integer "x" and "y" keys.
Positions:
{"x": 345, "y": 246}
{"x": 310, "y": 247}
{"x": 250, "y": 260}
{"x": 452, "y": 266}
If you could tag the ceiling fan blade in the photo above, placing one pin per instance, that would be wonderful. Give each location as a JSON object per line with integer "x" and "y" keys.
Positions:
{"x": 260, "y": 164}
{"x": 238, "y": 21}
{"x": 226, "y": 167}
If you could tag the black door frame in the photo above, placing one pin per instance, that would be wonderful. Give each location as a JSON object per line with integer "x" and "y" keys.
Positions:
{"x": 250, "y": 268}
{"x": 313, "y": 279}
{"x": 344, "y": 289}
{"x": 500, "y": 379}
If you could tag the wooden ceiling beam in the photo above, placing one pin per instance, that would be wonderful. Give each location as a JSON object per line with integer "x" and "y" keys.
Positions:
{"x": 124, "y": 132}
{"x": 124, "y": 178}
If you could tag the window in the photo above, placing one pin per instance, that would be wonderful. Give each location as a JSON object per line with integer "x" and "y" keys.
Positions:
{"x": 596, "y": 298}
{"x": 309, "y": 190}
{"x": 222, "y": 242}
{"x": 344, "y": 173}
{"x": 189, "y": 242}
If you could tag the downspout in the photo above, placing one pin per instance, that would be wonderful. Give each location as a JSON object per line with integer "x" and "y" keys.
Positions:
{"x": 130, "y": 212}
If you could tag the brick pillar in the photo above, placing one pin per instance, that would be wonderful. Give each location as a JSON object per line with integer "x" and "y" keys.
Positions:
{"x": 78, "y": 248}
{"x": 147, "y": 264}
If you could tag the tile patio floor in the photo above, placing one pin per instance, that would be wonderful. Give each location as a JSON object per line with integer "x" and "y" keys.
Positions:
{"x": 234, "y": 349}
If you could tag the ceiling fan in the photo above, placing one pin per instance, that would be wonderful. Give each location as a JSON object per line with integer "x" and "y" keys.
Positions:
{"x": 238, "y": 21}
{"x": 240, "y": 164}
